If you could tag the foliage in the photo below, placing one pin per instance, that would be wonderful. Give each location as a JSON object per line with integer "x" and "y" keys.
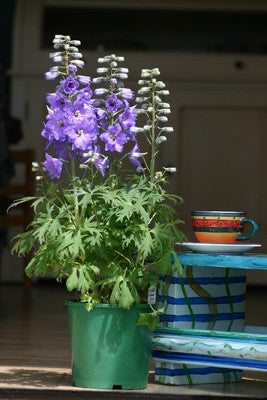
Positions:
{"x": 105, "y": 229}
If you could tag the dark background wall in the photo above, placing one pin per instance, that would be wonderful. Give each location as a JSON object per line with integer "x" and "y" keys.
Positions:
{"x": 6, "y": 27}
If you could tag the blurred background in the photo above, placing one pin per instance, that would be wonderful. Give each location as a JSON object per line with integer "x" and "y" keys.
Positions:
{"x": 212, "y": 55}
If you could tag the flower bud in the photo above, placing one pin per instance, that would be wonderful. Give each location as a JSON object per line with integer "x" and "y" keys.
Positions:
{"x": 79, "y": 63}
{"x": 136, "y": 154}
{"x": 155, "y": 72}
{"x": 55, "y": 54}
{"x": 100, "y": 91}
{"x": 162, "y": 119}
{"x": 147, "y": 128}
{"x": 144, "y": 90}
{"x": 139, "y": 111}
{"x": 122, "y": 76}
{"x": 123, "y": 70}
{"x": 83, "y": 166}
{"x": 98, "y": 80}
{"x": 172, "y": 170}
{"x": 165, "y": 111}
{"x": 72, "y": 48}
{"x": 77, "y": 55}
{"x": 72, "y": 68}
{"x": 140, "y": 99}
{"x": 164, "y": 92}
{"x": 51, "y": 75}
{"x": 84, "y": 80}
{"x": 58, "y": 59}
{"x": 35, "y": 166}
{"x": 160, "y": 84}
{"x": 102, "y": 70}
{"x": 145, "y": 74}
{"x": 165, "y": 105}
{"x": 134, "y": 129}
{"x": 167, "y": 129}
{"x": 75, "y": 42}
{"x": 161, "y": 139}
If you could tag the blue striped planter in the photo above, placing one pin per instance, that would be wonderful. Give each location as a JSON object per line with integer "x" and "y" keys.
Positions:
{"x": 206, "y": 298}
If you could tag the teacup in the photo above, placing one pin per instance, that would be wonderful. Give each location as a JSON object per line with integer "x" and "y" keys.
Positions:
{"x": 221, "y": 226}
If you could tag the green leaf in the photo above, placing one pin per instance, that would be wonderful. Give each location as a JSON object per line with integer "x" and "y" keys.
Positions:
{"x": 150, "y": 320}
{"x": 72, "y": 282}
{"x": 126, "y": 299}
{"x": 79, "y": 279}
{"x": 176, "y": 264}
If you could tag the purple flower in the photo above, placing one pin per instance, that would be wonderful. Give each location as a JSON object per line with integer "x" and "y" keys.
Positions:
{"x": 127, "y": 119}
{"x": 53, "y": 166}
{"x": 55, "y": 126}
{"x": 101, "y": 118}
{"x": 69, "y": 85}
{"x": 135, "y": 160}
{"x": 85, "y": 94}
{"x": 113, "y": 103}
{"x": 101, "y": 164}
{"x": 62, "y": 151}
{"x": 114, "y": 138}
{"x": 58, "y": 100}
{"x": 82, "y": 134}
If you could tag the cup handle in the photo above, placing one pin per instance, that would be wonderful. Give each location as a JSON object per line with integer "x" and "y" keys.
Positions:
{"x": 255, "y": 229}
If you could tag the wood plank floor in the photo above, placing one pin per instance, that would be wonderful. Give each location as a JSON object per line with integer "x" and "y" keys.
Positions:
{"x": 35, "y": 354}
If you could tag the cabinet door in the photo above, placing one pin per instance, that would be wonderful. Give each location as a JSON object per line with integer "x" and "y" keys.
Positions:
{"x": 220, "y": 153}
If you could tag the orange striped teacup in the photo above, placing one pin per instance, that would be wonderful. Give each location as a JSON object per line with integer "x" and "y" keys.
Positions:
{"x": 221, "y": 226}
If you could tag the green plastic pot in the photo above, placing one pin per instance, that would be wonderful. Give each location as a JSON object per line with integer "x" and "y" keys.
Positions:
{"x": 109, "y": 351}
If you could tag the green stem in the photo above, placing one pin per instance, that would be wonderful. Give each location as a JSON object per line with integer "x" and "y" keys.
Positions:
{"x": 76, "y": 203}
{"x": 153, "y": 138}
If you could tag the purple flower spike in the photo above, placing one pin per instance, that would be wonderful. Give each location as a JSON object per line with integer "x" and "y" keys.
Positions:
{"x": 53, "y": 166}
{"x": 70, "y": 85}
{"x": 113, "y": 103}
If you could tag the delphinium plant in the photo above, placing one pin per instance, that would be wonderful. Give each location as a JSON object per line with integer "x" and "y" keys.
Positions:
{"x": 103, "y": 223}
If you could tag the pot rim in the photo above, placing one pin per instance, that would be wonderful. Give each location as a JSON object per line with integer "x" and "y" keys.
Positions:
{"x": 76, "y": 303}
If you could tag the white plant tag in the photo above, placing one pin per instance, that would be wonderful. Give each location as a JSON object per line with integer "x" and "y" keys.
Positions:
{"x": 152, "y": 294}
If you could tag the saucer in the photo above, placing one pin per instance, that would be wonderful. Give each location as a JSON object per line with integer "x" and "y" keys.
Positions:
{"x": 233, "y": 248}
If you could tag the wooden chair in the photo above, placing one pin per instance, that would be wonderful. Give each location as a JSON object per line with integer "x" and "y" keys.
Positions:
{"x": 23, "y": 214}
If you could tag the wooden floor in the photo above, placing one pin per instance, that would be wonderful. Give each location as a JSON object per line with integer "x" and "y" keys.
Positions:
{"x": 35, "y": 354}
